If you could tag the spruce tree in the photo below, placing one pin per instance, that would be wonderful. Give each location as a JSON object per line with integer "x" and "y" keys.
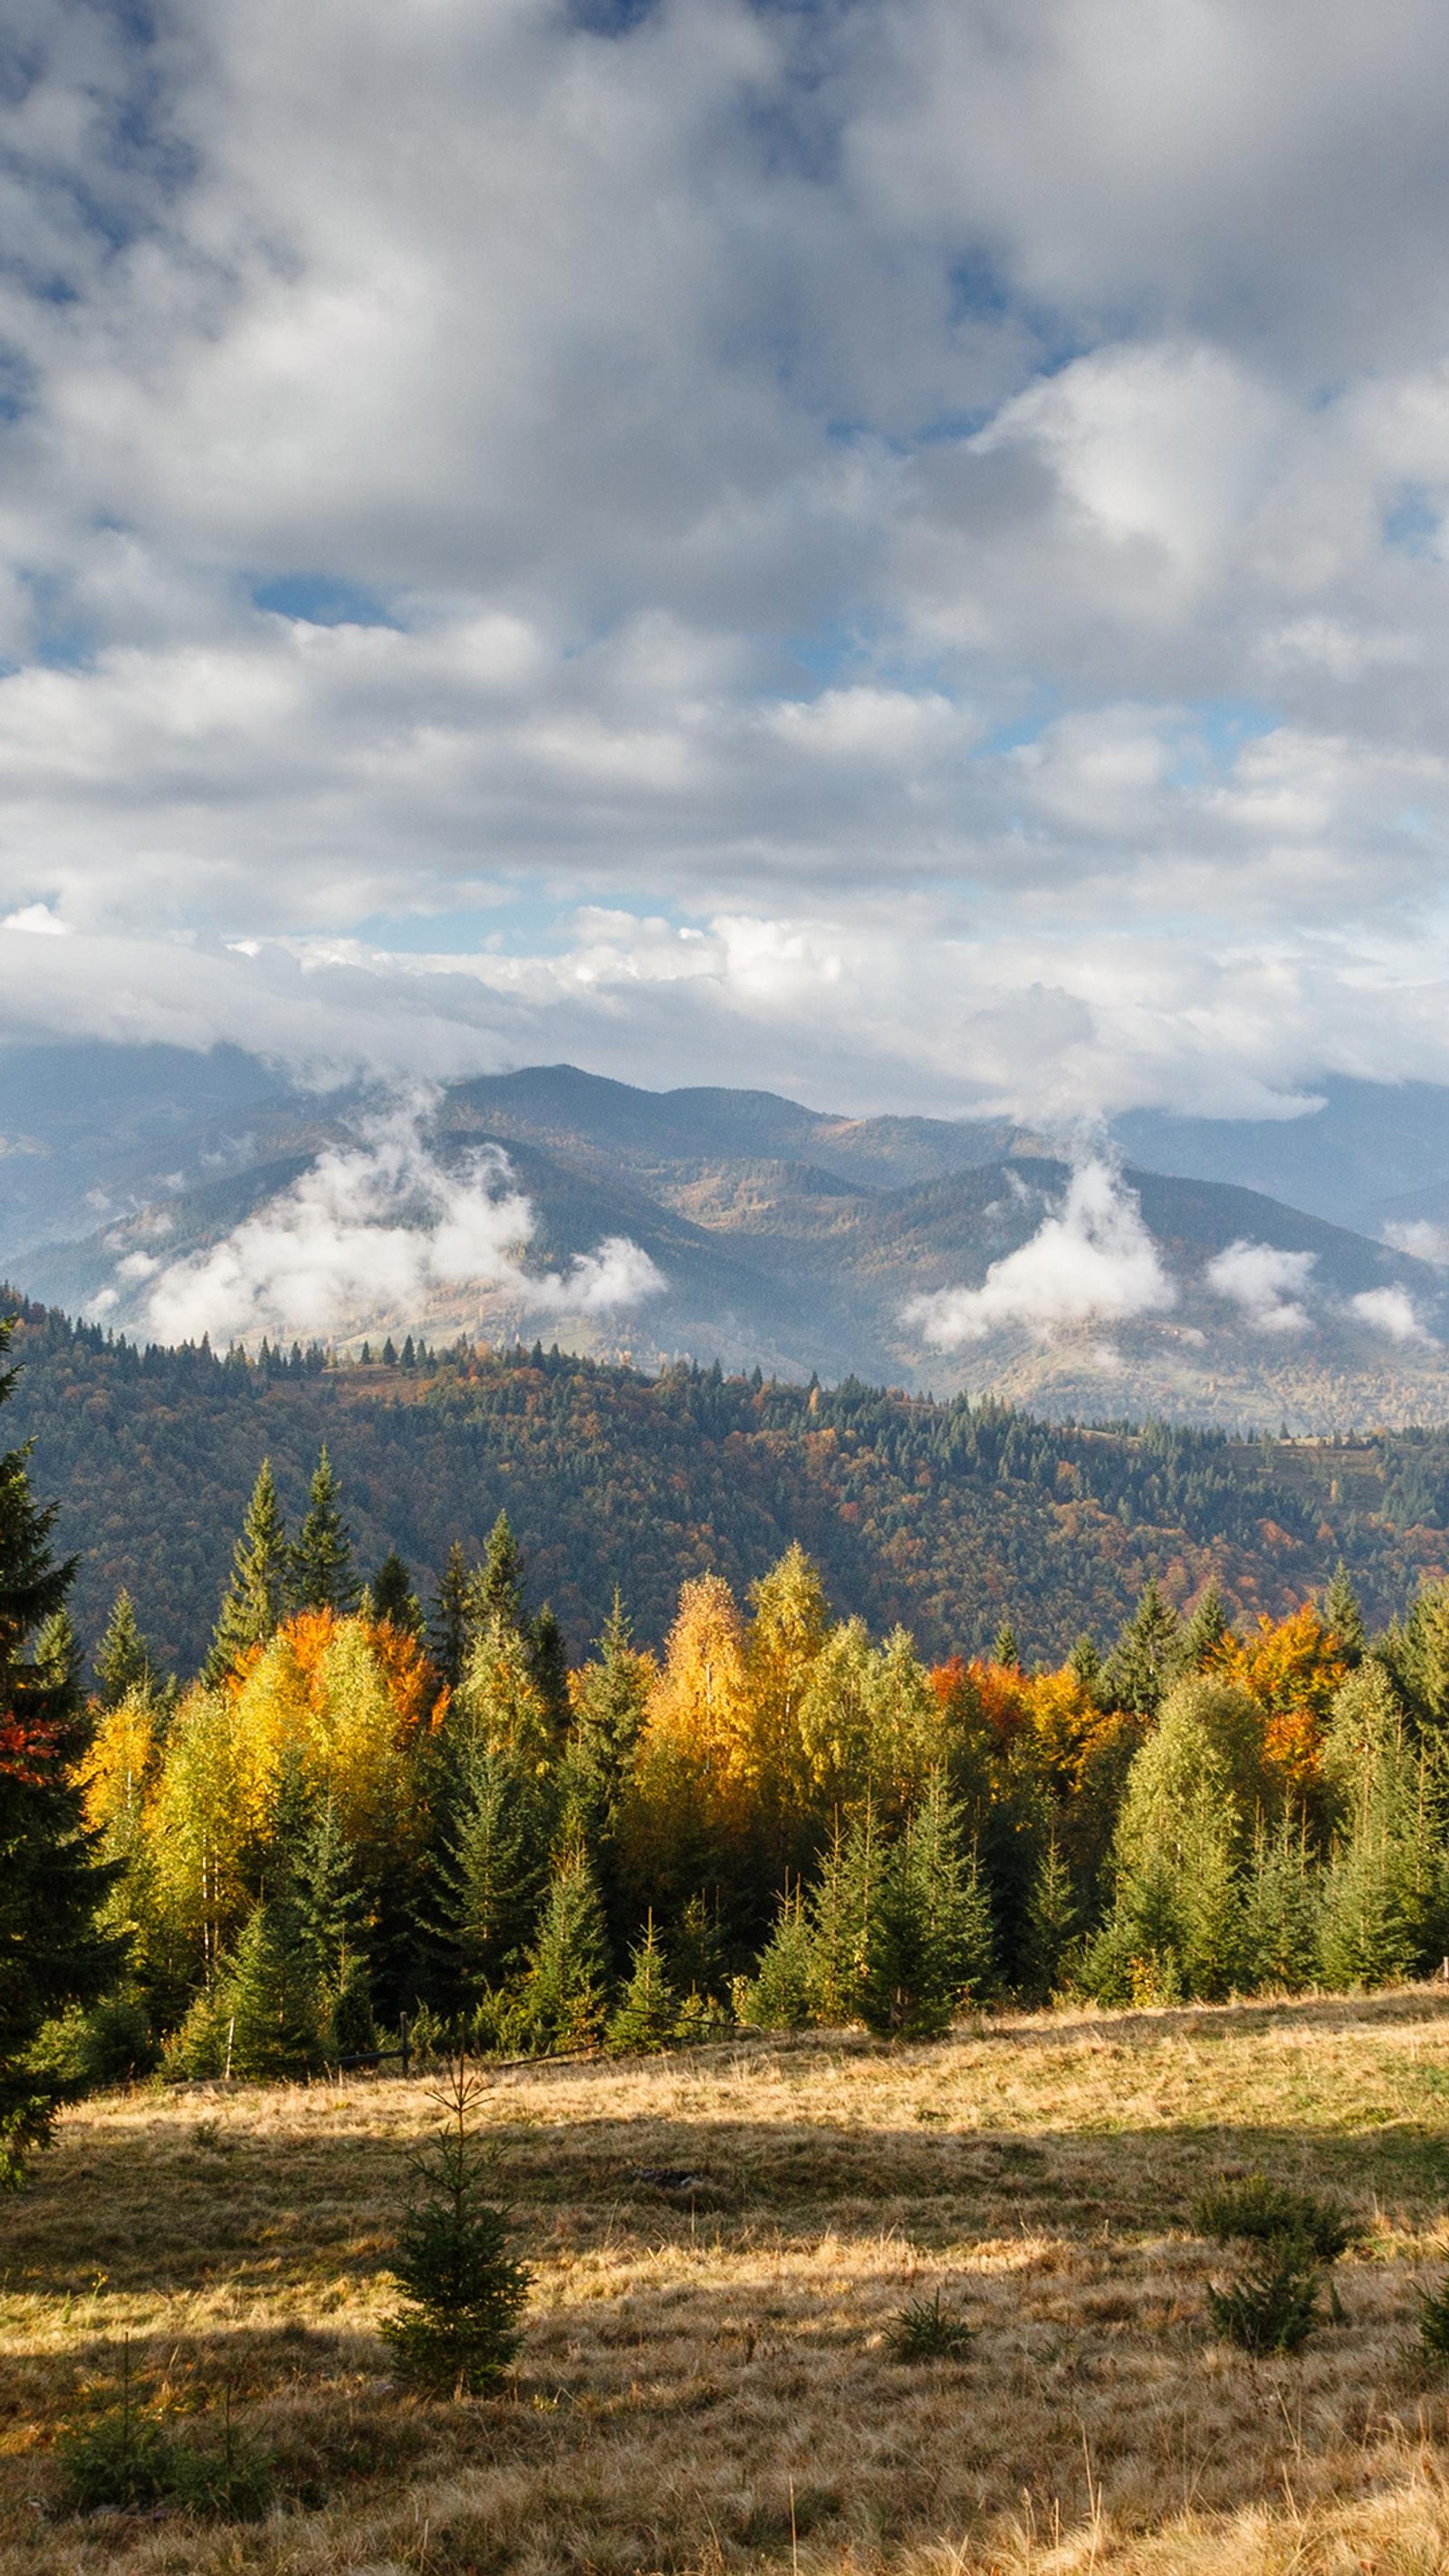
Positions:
{"x": 1005, "y": 1650}
{"x": 51, "y": 1952}
{"x": 256, "y": 1597}
{"x": 393, "y": 1597}
{"x": 565, "y": 1986}
{"x": 611, "y": 1695}
{"x": 781, "y": 1994}
{"x": 647, "y": 2016}
{"x": 123, "y": 1663}
{"x": 1142, "y": 1662}
{"x": 271, "y": 1994}
{"x": 840, "y": 1909}
{"x": 1342, "y": 1614}
{"x": 1202, "y": 1634}
{"x": 495, "y": 1592}
{"x": 1281, "y": 1929}
{"x": 928, "y": 1942}
{"x": 450, "y": 1621}
{"x": 463, "y": 2293}
{"x": 548, "y": 1660}
{"x": 492, "y": 1868}
{"x": 322, "y": 1576}
{"x": 1052, "y": 1923}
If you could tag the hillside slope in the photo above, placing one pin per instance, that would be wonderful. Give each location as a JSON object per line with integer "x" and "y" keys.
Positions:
{"x": 944, "y": 1516}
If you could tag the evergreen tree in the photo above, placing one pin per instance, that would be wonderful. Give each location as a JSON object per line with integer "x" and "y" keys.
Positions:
{"x": 1005, "y": 1650}
{"x": 1086, "y": 1663}
{"x": 256, "y": 1596}
{"x": 463, "y": 2293}
{"x": 393, "y": 1597}
{"x": 123, "y": 1663}
{"x": 1203, "y": 1634}
{"x": 781, "y": 1995}
{"x": 272, "y": 1994}
{"x": 549, "y": 1662}
{"x": 492, "y": 1870}
{"x": 647, "y": 2015}
{"x": 928, "y": 1940}
{"x": 1386, "y": 1888}
{"x": 565, "y": 1987}
{"x": 495, "y": 1592}
{"x": 1198, "y": 1792}
{"x": 1282, "y": 1912}
{"x": 322, "y": 1576}
{"x": 51, "y": 1952}
{"x": 1342, "y": 1614}
{"x": 840, "y": 1909}
{"x": 450, "y": 1623}
{"x": 1052, "y": 1922}
{"x": 1142, "y": 1662}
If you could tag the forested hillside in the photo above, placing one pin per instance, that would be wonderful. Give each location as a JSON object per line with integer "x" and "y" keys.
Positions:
{"x": 945, "y": 1516}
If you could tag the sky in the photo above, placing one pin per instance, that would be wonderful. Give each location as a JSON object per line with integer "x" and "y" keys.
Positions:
{"x": 896, "y": 550}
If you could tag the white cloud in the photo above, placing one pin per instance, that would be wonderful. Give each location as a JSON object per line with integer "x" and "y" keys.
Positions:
{"x": 370, "y": 1229}
{"x": 1422, "y": 1239}
{"x": 1264, "y": 1283}
{"x": 1095, "y": 1262}
{"x": 1390, "y": 1311}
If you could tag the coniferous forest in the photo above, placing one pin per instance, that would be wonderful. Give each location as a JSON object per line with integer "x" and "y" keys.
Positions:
{"x": 368, "y": 1809}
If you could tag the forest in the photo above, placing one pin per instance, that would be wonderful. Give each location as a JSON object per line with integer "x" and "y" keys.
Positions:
{"x": 942, "y": 1517}
{"x": 368, "y": 1819}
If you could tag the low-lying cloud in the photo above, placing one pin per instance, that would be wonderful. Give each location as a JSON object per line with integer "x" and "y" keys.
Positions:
{"x": 1390, "y": 1311}
{"x": 1264, "y": 1284}
{"x": 1093, "y": 1261}
{"x": 375, "y": 1227}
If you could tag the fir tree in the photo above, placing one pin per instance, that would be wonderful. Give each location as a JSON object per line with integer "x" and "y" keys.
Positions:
{"x": 51, "y": 1952}
{"x": 1143, "y": 1660}
{"x": 492, "y": 1870}
{"x": 611, "y": 1693}
{"x": 1086, "y": 1663}
{"x": 393, "y": 1597}
{"x": 256, "y": 1596}
{"x": 450, "y": 1622}
{"x": 840, "y": 1909}
{"x": 322, "y": 1576}
{"x": 463, "y": 2293}
{"x": 1202, "y": 1634}
{"x": 123, "y": 1663}
{"x": 565, "y": 1986}
{"x": 1005, "y": 1650}
{"x": 647, "y": 2016}
{"x": 272, "y": 1994}
{"x": 1282, "y": 1912}
{"x": 1052, "y": 1922}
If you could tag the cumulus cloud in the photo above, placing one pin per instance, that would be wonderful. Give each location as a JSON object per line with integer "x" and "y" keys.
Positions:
{"x": 1421, "y": 1238}
{"x": 373, "y": 1228}
{"x": 1264, "y": 1284}
{"x": 1390, "y": 1311}
{"x": 948, "y": 485}
{"x": 1093, "y": 1262}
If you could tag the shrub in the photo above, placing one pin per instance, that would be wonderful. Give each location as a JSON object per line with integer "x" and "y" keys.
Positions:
{"x": 463, "y": 2292}
{"x": 125, "y": 2461}
{"x": 925, "y": 2331}
{"x": 1273, "y": 2305}
{"x": 1272, "y": 2213}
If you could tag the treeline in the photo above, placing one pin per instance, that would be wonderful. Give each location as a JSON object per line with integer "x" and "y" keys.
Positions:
{"x": 940, "y": 1517}
{"x": 365, "y": 1808}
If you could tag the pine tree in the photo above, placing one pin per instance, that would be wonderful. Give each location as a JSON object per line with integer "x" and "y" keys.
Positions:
{"x": 463, "y": 2293}
{"x": 123, "y": 1663}
{"x": 565, "y": 1987}
{"x": 51, "y": 1884}
{"x": 393, "y": 1597}
{"x": 450, "y": 1621}
{"x": 322, "y": 1576}
{"x": 1141, "y": 1664}
{"x": 647, "y": 2016}
{"x": 256, "y": 1597}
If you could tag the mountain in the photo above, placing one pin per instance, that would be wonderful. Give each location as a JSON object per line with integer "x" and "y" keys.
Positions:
{"x": 946, "y": 1517}
{"x": 784, "y": 1237}
{"x": 1366, "y": 1154}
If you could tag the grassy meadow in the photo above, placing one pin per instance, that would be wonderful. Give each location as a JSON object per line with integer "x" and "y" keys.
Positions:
{"x": 719, "y": 2244}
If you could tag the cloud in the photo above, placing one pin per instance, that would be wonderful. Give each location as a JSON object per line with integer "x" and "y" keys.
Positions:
{"x": 1422, "y": 1239}
{"x": 1094, "y": 1262}
{"x": 1390, "y": 1311}
{"x": 1264, "y": 1283}
{"x": 372, "y": 1229}
{"x": 940, "y": 510}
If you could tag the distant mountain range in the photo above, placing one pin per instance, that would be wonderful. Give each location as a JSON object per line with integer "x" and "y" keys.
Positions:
{"x": 793, "y": 1239}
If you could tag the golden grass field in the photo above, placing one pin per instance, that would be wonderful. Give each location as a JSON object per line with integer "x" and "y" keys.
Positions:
{"x": 705, "y": 2382}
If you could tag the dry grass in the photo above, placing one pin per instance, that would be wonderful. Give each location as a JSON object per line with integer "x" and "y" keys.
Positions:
{"x": 707, "y": 2382}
